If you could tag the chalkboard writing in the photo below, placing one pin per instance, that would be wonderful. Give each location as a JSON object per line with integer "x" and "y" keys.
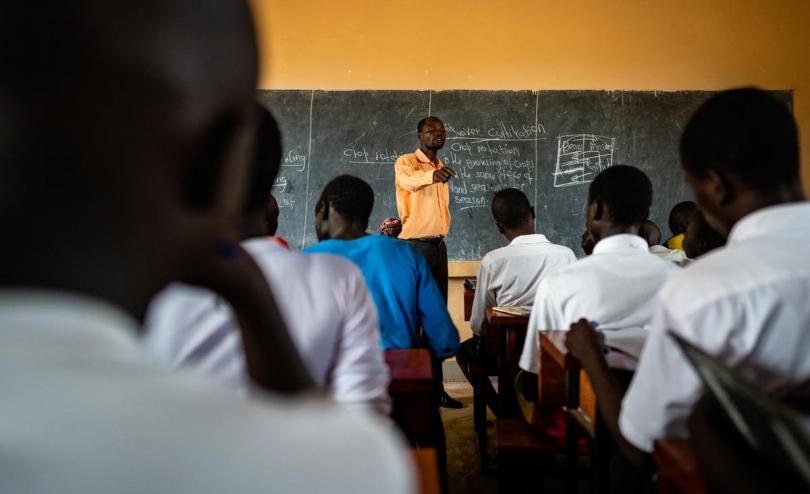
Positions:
{"x": 549, "y": 144}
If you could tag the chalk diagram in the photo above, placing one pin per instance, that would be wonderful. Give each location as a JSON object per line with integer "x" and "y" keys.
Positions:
{"x": 580, "y": 157}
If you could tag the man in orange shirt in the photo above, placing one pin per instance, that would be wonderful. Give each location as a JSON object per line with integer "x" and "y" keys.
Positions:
{"x": 423, "y": 199}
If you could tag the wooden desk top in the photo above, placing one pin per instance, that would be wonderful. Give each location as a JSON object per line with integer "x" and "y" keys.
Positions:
{"x": 410, "y": 369}
{"x": 553, "y": 342}
{"x": 495, "y": 318}
{"x": 678, "y": 467}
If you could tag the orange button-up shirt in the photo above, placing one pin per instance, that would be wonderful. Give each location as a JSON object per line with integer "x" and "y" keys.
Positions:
{"x": 422, "y": 205}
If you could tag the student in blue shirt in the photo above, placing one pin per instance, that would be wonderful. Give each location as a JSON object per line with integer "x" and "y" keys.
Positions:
{"x": 397, "y": 275}
{"x": 398, "y": 278}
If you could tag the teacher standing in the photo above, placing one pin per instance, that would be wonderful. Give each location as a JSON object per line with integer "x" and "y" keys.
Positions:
{"x": 423, "y": 205}
{"x": 423, "y": 198}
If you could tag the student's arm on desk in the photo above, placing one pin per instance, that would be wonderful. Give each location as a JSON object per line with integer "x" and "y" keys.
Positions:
{"x": 583, "y": 343}
{"x": 441, "y": 334}
{"x": 272, "y": 360}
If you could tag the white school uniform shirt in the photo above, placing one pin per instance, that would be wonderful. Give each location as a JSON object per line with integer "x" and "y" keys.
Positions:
{"x": 510, "y": 275}
{"x": 85, "y": 410}
{"x": 614, "y": 287}
{"x": 673, "y": 255}
{"x": 747, "y": 302}
{"x": 327, "y": 308}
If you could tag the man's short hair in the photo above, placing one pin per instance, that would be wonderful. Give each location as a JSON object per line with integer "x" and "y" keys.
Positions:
{"x": 679, "y": 216}
{"x": 350, "y": 196}
{"x": 746, "y": 133}
{"x": 266, "y": 161}
{"x": 626, "y": 191}
{"x": 425, "y": 121}
{"x": 511, "y": 208}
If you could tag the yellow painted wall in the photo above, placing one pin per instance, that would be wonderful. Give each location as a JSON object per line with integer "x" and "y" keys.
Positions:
{"x": 534, "y": 44}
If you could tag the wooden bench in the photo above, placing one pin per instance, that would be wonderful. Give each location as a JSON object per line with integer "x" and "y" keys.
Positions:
{"x": 411, "y": 390}
{"x": 678, "y": 469}
{"x": 581, "y": 407}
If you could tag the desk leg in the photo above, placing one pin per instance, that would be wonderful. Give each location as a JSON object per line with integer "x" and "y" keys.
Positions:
{"x": 572, "y": 432}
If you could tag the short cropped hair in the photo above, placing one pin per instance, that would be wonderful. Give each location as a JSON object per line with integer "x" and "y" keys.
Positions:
{"x": 744, "y": 132}
{"x": 266, "y": 161}
{"x": 679, "y": 216}
{"x": 511, "y": 208}
{"x": 626, "y": 191}
{"x": 350, "y": 196}
{"x": 650, "y": 232}
{"x": 425, "y": 121}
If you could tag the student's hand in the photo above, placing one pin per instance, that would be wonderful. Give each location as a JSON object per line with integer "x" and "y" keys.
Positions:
{"x": 583, "y": 341}
{"x": 442, "y": 175}
{"x": 227, "y": 269}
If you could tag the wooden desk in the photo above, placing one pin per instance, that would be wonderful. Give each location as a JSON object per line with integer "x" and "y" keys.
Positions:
{"x": 469, "y": 296}
{"x": 411, "y": 390}
{"x": 510, "y": 332}
{"x": 678, "y": 469}
{"x": 580, "y": 406}
{"x": 427, "y": 471}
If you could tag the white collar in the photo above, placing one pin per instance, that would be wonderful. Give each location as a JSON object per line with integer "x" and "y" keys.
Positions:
{"x": 534, "y": 238}
{"x": 771, "y": 220}
{"x": 33, "y": 313}
{"x": 621, "y": 242}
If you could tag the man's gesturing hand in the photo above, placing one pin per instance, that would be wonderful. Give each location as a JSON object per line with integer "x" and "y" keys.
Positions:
{"x": 442, "y": 175}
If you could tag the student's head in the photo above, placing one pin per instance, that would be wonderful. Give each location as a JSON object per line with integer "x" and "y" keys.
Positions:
{"x": 271, "y": 214}
{"x": 137, "y": 130}
{"x": 740, "y": 153}
{"x": 699, "y": 237}
{"x": 679, "y": 216}
{"x": 650, "y": 232}
{"x": 431, "y": 133}
{"x": 513, "y": 214}
{"x": 586, "y": 242}
{"x": 619, "y": 199}
{"x": 345, "y": 204}
{"x": 264, "y": 168}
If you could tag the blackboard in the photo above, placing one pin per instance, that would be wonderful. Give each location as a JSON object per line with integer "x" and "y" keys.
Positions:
{"x": 550, "y": 144}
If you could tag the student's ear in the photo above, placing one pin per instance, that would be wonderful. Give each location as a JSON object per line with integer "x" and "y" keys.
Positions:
{"x": 531, "y": 210}
{"x": 500, "y": 228}
{"x": 599, "y": 210}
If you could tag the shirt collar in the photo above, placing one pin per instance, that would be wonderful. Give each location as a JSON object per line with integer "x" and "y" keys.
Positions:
{"x": 421, "y": 156}
{"x": 771, "y": 220}
{"x": 534, "y": 238}
{"x": 621, "y": 242}
{"x": 32, "y": 313}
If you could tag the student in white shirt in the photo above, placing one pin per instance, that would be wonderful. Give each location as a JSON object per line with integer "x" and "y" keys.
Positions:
{"x": 615, "y": 286}
{"x": 745, "y": 302}
{"x": 323, "y": 299}
{"x": 137, "y": 132}
{"x": 509, "y": 275}
{"x": 650, "y": 232}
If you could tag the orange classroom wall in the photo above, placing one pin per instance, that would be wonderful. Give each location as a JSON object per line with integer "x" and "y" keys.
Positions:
{"x": 540, "y": 44}
{"x": 513, "y": 44}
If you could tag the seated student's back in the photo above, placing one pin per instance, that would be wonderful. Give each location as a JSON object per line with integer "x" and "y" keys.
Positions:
{"x": 146, "y": 109}
{"x": 615, "y": 286}
{"x": 746, "y": 302}
{"x": 397, "y": 275}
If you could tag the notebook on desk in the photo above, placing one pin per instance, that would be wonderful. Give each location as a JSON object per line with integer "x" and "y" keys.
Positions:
{"x": 771, "y": 428}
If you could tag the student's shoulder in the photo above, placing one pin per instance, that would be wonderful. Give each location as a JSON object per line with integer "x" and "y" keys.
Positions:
{"x": 251, "y": 427}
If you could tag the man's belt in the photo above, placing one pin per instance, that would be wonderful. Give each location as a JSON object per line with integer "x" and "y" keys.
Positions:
{"x": 430, "y": 240}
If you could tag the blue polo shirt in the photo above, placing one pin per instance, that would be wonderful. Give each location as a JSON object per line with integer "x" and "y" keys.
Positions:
{"x": 403, "y": 290}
